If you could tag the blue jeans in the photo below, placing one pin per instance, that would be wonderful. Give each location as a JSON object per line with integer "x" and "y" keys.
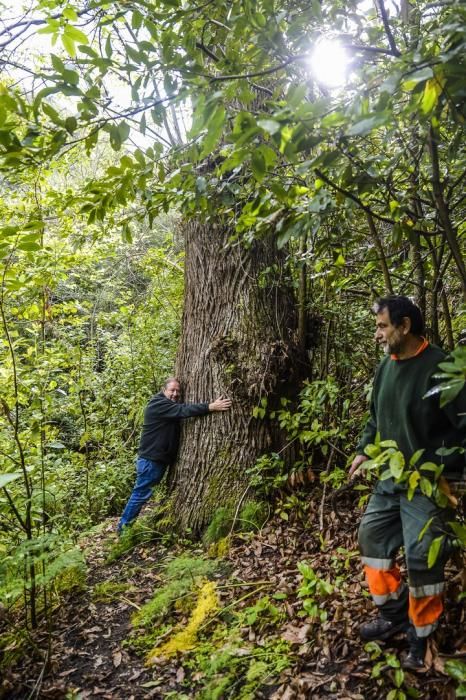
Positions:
{"x": 148, "y": 474}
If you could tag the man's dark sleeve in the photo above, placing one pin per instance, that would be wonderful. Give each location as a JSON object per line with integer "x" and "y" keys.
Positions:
{"x": 171, "y": 410}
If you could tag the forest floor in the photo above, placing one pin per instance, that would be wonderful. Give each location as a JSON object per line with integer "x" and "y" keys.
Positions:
{"x": 260, "y": 643}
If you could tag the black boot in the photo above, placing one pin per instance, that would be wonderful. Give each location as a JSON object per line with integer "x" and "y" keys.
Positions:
{"x": 414, "y": 660}
{"x": 381, "y": 629}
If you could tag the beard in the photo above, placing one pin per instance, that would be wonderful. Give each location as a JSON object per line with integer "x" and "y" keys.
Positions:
{"x": 395, "y": 345}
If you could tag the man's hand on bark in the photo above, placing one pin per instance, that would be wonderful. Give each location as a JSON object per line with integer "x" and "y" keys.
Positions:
{"x": 355, "y": 464}
{"x": 220, "y": 404}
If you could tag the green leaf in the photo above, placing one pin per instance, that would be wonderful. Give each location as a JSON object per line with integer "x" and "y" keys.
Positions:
{"x": 429, "y": 467}
{"x": 75, "y": 34}
{"x": 124, "y": 130}
{"x": 372, "y": 450}
{"x": 397, "y": 464}
{"x": 424, "y": 529}
{"x": 432, "y": 92}
{"x": 448, "y": 390}
{"x": 29, "y": 246}
{"x": 456, "y": 669}
{"x": 414, "y": 479}
{"x": 214, "y": 130}
{"x": 399, "y": 677}
{"x": 134, "y": 55}
{"x": 426, "y": 487}
{"x": 70, "y": 13}
{"x": 269, "y": 125}
{"x": 57, "y": 63}
{"x": 459, "y": 530}
{"x": 45, "y": 92}
{"x": 418, "y": 77}
{"x": 8, "y": 478}
{"x": 258, "y": 165}
{"x": 70, "y": 76}
{"x": 56, "y": 445}
{"x": 71, "y": 124}
{"x": 434, "y": 550}
{"x": 416, "y": 456}
{"x": 126, "y": 233}
{"x": 52, "y": 113}
{"x": 68, "y": 45}
{"x": 388, "y": 443}
{"x": 365, "y": 126}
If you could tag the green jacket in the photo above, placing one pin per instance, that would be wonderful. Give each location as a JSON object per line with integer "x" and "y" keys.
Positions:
{"x": 400, "y": 412}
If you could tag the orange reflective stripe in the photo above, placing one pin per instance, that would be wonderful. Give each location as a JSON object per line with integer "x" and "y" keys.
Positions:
{"x": 425, "y": 611}
{"x": 382, "y": 582}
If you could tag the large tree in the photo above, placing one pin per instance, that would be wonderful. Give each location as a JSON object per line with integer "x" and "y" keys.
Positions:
{"x": 364, "y": 183}
{"x": 239, "y": 338}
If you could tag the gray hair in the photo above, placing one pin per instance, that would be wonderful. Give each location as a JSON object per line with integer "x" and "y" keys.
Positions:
{"x": 169, "y": 380}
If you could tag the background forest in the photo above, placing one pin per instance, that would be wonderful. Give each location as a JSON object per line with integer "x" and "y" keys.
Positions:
{"x": 182, "y": 192}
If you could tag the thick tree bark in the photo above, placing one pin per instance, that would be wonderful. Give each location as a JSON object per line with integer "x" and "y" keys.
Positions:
{"x": 238, "y": 340}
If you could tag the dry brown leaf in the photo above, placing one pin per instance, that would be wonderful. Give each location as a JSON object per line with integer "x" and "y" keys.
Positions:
{"x": 117, "y": 656}
{"x": 296, "y": 634}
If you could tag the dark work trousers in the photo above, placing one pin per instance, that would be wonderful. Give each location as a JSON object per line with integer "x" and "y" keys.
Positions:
{"x": 392, "y": 521}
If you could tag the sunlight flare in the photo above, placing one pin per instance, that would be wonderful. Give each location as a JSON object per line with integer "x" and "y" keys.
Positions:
{"x": 329, "y": 62}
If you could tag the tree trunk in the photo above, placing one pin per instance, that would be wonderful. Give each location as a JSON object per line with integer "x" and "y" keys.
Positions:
{"x": 238, "y": 340}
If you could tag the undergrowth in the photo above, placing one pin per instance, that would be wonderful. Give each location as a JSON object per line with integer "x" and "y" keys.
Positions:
{"x": 185, "y": 617}
{"x": 250, "y": 518}
{"x": 230, "y": 670}
{"x": 180, "y": 575}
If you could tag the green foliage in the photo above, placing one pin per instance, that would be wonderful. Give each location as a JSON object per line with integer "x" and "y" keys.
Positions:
{"x": 219, "y": 526}
{"x": 139, "y": 531}
{"x": 81, "y": 317}
{"x": 59, "y": 567}
{"x": 230, "y": 670}
{"x": 387, "y": 462}
{"x": 457, "y": 670}
{"x": 252, "y": 516}
{"x": 312, "y": 590}
{"x": 453, "y": 375}
{"x": 262, "y": 614}
{"x": 180, "y": 575}
{"x": 268, "y": 473}
{"x": 388, "y": 668}
{"x": 321, "y": 424}
{"x": 320, "y": 420}
{"x": 13, "y": 645}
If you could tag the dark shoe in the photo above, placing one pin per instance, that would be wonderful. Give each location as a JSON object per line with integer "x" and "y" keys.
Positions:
{"x": 381, "y": 629}
{"x": 415, "y": 658}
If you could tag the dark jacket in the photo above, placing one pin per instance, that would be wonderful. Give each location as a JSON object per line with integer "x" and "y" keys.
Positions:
{"x": 400, "y": 412}
{"x": 160, "y": 437}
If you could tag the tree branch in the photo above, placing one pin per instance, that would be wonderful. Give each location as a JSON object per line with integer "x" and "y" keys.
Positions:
{"x": 442, "y": 208}
{"x": 388, "y": 31}
{"x": 267, "y": 71}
